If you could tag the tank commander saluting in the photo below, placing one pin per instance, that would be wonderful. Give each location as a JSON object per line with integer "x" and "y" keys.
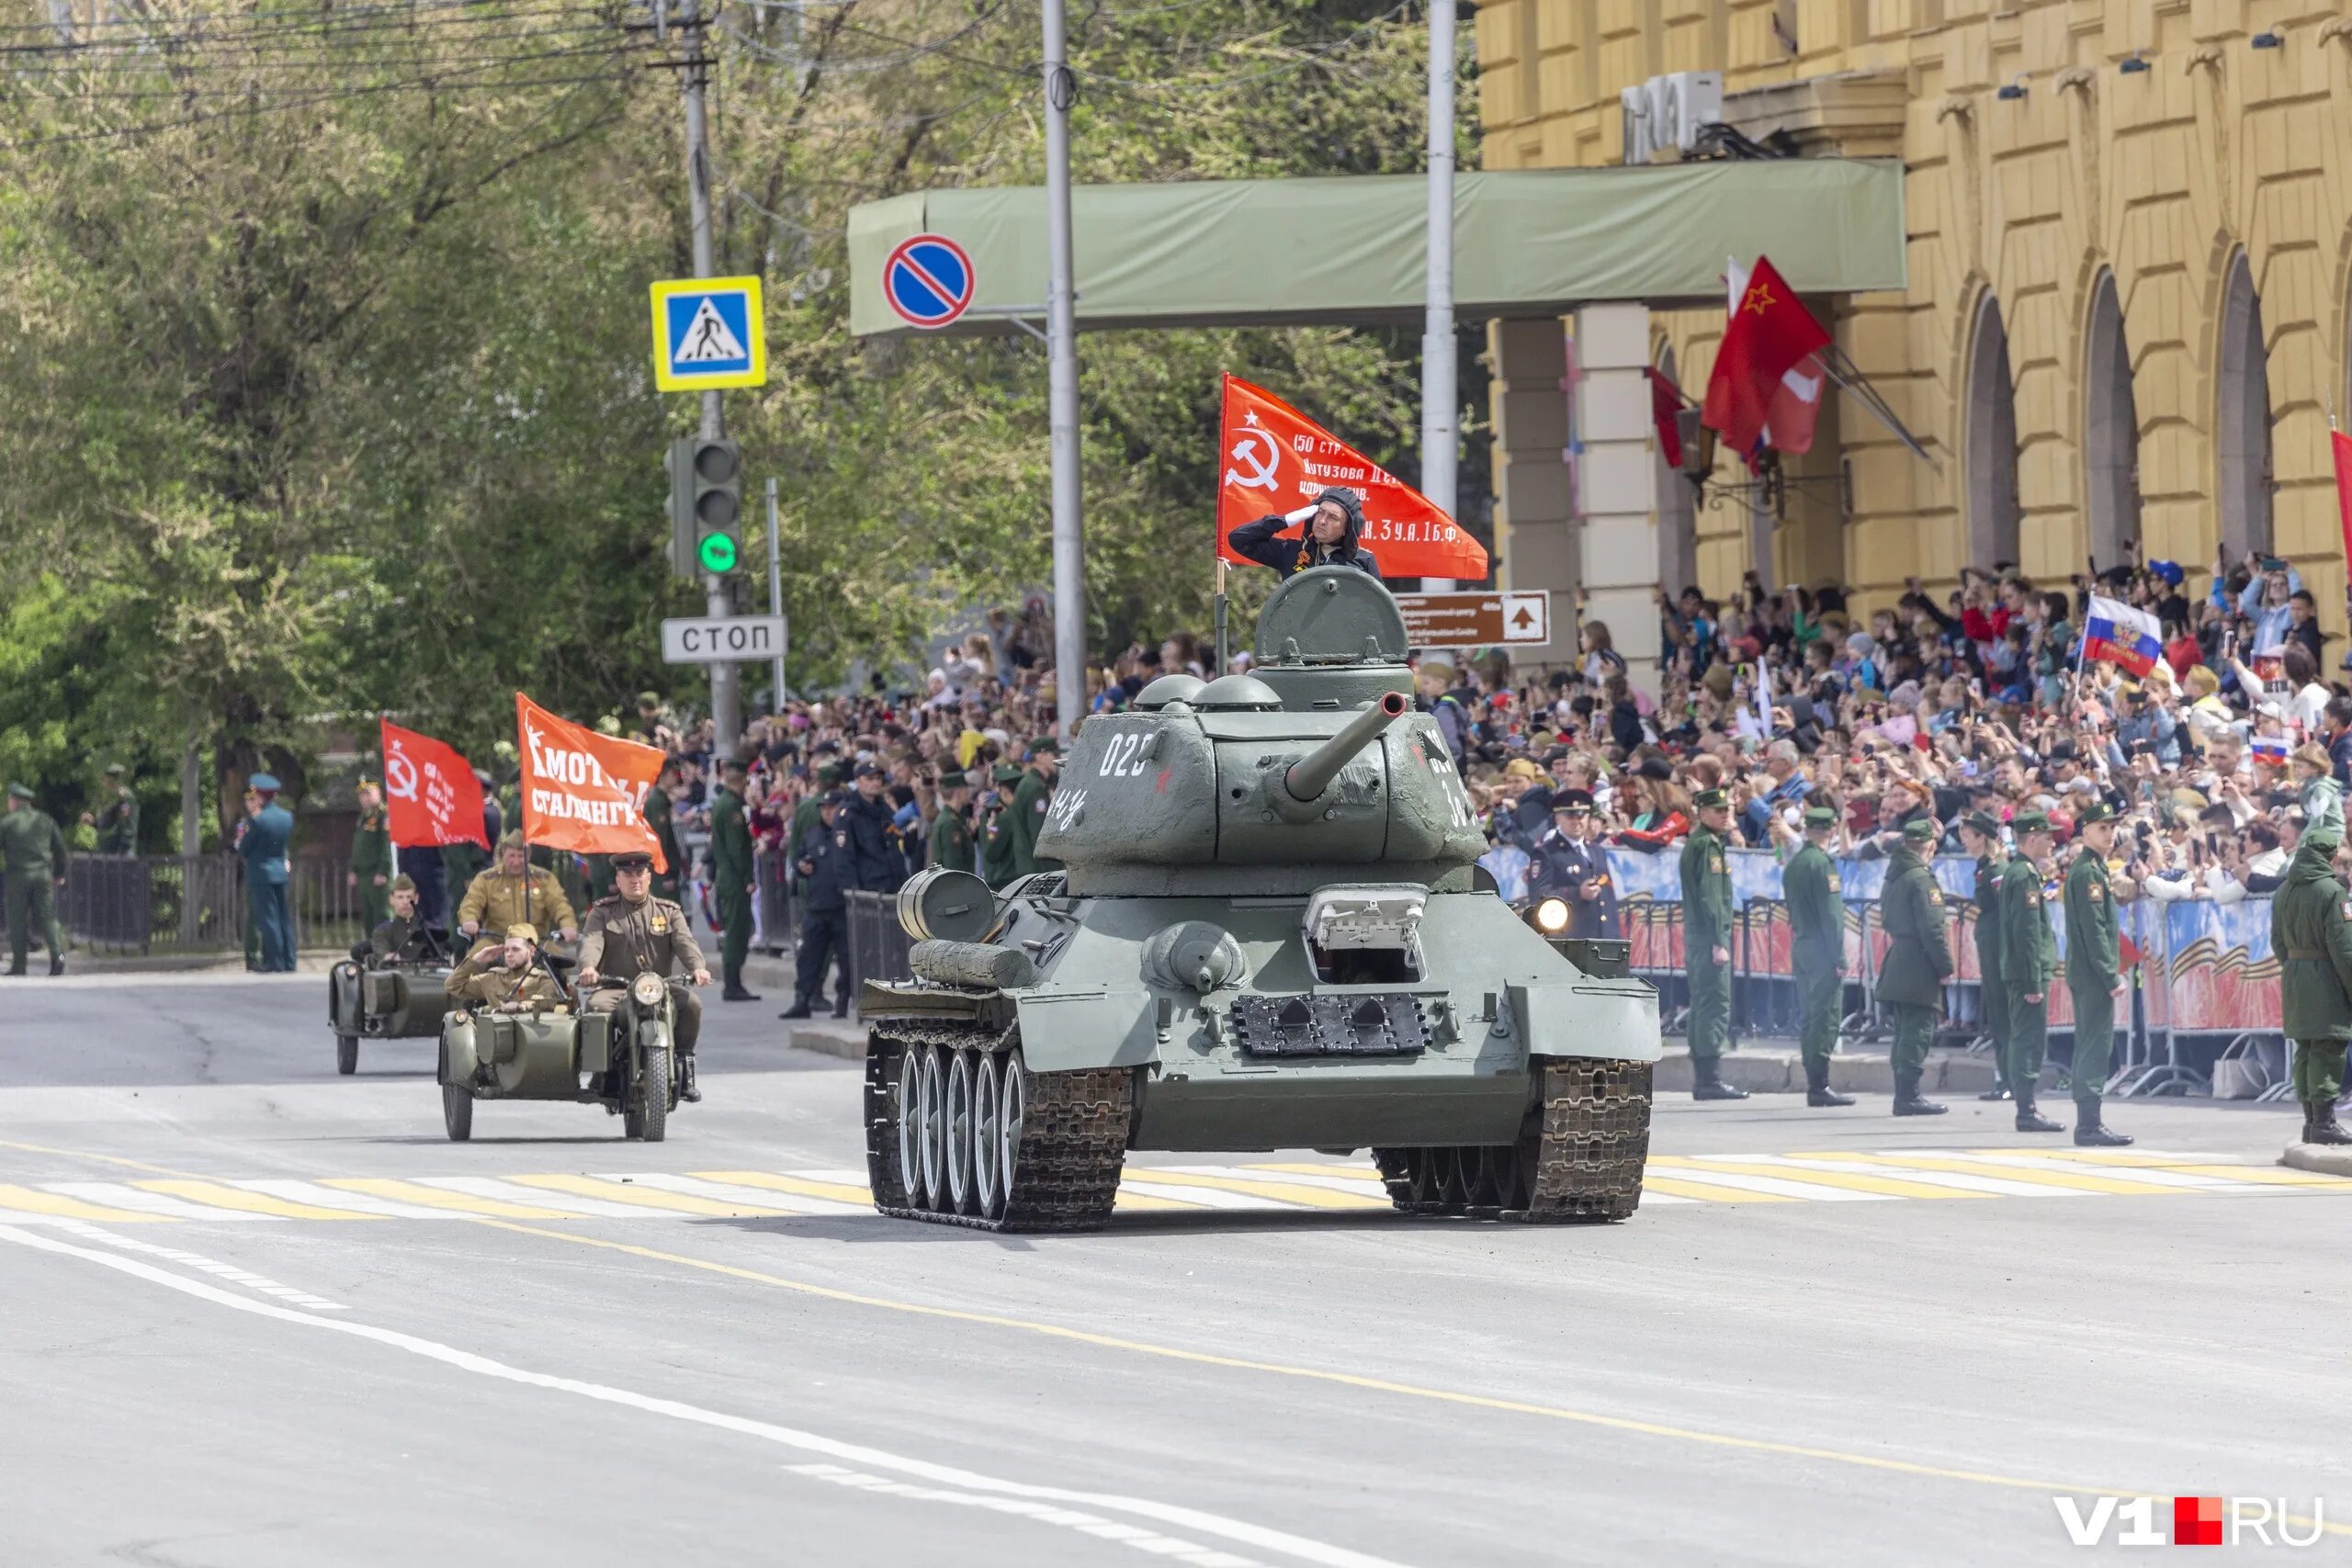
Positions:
{"x": 634, "y": 933}
{"x": 1334, "y": 523}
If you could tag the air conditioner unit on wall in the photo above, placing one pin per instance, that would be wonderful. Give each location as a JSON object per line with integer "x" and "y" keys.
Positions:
{"x": 1667, "y": 111}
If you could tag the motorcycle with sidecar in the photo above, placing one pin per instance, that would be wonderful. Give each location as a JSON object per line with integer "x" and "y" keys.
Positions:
{"x": 624, "y": 1059}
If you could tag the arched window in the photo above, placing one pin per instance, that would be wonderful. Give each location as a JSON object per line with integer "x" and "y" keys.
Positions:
{"x": 1677, "y": 521}
{"x": 2110, "y": 431}
{"x": 1992, "y": 442}
{"x": 2242, "y": 419}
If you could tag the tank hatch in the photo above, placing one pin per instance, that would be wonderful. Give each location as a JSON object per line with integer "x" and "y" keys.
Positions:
{"x": 1237, "y": 693}
{"x": 1332, "y": 614}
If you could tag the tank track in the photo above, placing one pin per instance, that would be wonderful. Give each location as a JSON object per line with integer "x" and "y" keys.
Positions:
{"x": 1067, "y": 1160}
{"x": 1578, "y": 1161}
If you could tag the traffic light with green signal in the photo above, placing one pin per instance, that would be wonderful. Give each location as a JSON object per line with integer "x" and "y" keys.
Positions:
{"x": 705, "y": 505}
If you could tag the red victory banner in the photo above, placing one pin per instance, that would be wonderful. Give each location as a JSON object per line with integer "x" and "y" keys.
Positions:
{"x": 583, "y": 791}
{"x": 431, "y": 790}
{"x": 1274, "y": 459}
{"x": 1769, "y": 334}
{"x": 2340, "y": 446}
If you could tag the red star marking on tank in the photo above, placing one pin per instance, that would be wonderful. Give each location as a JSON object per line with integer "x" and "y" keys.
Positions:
{"x": 1160, "y": 784}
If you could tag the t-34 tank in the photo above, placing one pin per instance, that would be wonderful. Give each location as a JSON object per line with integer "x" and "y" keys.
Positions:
{"x": 1268, "y": 931}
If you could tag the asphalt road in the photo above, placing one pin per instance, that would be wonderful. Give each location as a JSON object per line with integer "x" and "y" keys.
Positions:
{"x": 251, "y": 1314}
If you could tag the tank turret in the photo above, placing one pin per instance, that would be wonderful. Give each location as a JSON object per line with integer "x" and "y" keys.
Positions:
{"x": 1308, "y": 778}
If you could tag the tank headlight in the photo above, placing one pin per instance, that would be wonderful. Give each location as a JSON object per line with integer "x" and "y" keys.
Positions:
{"x": 646, "y": 990}
{"x": 1552, "y": 915}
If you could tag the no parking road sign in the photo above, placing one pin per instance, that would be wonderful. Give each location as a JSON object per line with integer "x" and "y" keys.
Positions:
{"x": 708, "y": 333}
{"x": 927, "y": 280}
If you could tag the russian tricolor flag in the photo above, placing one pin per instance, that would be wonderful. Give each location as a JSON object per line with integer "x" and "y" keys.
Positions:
{"x": 2122, "y": 635}
{"x": 2271, "y": 748}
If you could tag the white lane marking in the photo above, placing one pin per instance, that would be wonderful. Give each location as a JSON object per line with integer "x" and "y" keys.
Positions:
{"x": 1171, "y": 1546}
{"x": 213, "y": 1267}
{"x": 540, "y": 1197}
{"x": 1811, "y": 1191}
{"x": 122, "y": 1195}
{"x": 2148, "y": 1175}
{"x": 1262, "y": 1537}
{"x": 728, "y": 1192}
{"x": 1203, "y": 1197}
{"x": 1953, "y": 1179}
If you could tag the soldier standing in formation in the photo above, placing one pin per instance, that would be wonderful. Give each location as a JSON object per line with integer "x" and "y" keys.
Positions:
{"x": 1980, "y": 834}
{"x": 730, "y": 880}
{"x": 2028, "y": 961}
{"x": 1026, "y": 815}
{"x": 1816, "y": 952}
{"x": 2093, "y": 970}
{"x": 951, "y": 831}
{"x": 1919, "y": 961}
{"x": 1706, "y": 946}
{"x": 118, "y": 821}
{"x": 824, "y": 861}
{"x": 634, "y": 933}
{"x": 32, "y": 858}
{"x": 263, "y": 846}
{"x": 658, "y": 817}
{"x": 371, "y": 858}
{"x": 514, "y": 890}
{"x": 998, "y": 850}
{"x": 2311, "y": 931}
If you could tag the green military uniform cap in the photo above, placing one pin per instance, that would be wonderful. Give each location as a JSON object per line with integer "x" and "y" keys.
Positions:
{"x": 1707, "y": 799}
{"x": 524, "y": 930}
{"x": 20, "y": 792}
{"x": 2096, "y": 811}
{"x": 510, "y": 840}
{"x": 633, "y": 860}
{"x": 1920, "y": 829}
{"x": 1985, "y": 822}
{"x": 403, "y": 883}
{"x": 1820, "y": 817}
{"x": 830, "y": 773}
{"x": 1044, "y": 745}
{"x": 1007, "y": 773}
{"x": 956, "y": 781}
{"x": 2029, "y": 822}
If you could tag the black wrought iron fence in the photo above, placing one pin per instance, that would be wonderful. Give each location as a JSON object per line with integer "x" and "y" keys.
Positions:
{"x": 139, "y": 905}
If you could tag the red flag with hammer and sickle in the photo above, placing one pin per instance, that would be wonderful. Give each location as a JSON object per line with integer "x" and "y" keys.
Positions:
{"x": 1273, "y": 459}
{"x": 431, "y": 790}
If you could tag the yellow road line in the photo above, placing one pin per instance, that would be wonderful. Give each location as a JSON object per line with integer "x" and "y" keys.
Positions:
{"x": 839, "y": 1192}
{"x": 2083, "y": 1156}
{"x": 2078, "y": 1180}
{"x": 216, "y": 1195}
{"x": 1854, "y": 1180}
{"x": 1351, "y": 1172}
{"x": 1674, "y": 1187}
{"x": 103, "y": 1159}
{"x": 1370, "y": 1384}
{"x": 32, "y": 1201}
{"x": 645, "y": 1197}
{"x": 1143, "y": 1203}
{"x": 2265, "y": 1176}
{"x": 440, "y": 1198}
{"x": 1278, "y": 1191}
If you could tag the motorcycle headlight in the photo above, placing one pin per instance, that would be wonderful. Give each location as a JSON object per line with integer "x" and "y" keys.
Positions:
{"x": 646, "y": 990}
{"x": 1552, "y": 915}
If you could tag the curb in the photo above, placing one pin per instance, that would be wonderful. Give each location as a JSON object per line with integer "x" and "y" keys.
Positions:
{"x": 831, "y": 1038}
{"x": 2325, "y": 1159}
{"x": 1781, "y": 1071}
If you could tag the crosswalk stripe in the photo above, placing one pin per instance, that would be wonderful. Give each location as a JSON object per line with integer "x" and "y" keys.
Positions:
{"x": 1149, "y": 1203}
{"x": 219, "y": 1195}
{"x": 1682, "y": 1169}
{"x": 509, "y": 1192}
{"x": 777, "y": 1181}
{"x": 31, "y": 1200}
{"x": 1656, "y": 1186}
{"x": 122, "y": 1195}
{"x": 746, "y": 1198}
{"x": 2083, "y": 1156}
{"x": 1346, "y": 1172}
{"x": 1924, "y": 1168}
{"x": 2137, "y": 1179}
{"x": 1189, "y": 1197}
{"x": 1849, "y": 1181}
{"x": 326, "y": 1197}
{"x": 1279, "y": 1191}
{"x": 645, "y": 1196}
{"x": 434, "y": 1198}
{"x": 2267, "y": 1175}
{"x": 1332, "y": 1178}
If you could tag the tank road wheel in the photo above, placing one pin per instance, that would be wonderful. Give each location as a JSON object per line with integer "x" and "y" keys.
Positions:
{"x": 988, "y": 1115}
{"x": 457, "y": 1111}
{"x": 1011, "y": 1106}
{"x": 958, "y": 1120}
{"x": 1447, "y": 1182}
{"x": 908, "y": 1123}
{"x": 1068, "y": 1143}
{"x": 932, "y": 1132}
{"x": 1483, "y": 1179}
{"x": 1588, "y": 1135}
{"x": 346, "y": 1054}
{"x": 885, "y": 1148}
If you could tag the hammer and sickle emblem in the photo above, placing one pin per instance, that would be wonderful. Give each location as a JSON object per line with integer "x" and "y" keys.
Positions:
{"x": 1262, "y": 470}
{"x": 399, "y": 775}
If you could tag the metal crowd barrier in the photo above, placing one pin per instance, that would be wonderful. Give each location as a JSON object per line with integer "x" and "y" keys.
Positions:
{"x": 141, "y": 905}
{"x": 877, "y": 943}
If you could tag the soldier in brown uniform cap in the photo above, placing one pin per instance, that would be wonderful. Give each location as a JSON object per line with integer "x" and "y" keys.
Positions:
{"x": 634, "y": 933}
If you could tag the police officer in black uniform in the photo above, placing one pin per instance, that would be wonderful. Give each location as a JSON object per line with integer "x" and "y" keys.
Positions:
{"x": 827, "y": 865}
{"x": 1573, "y": 866}
{"x": 876, "y": 863}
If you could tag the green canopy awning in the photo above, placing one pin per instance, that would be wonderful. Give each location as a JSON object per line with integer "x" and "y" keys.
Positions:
{"x": 1273, "y": 252}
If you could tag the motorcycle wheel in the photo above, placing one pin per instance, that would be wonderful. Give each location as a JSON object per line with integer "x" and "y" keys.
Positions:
{"x": 457, "y": 1112}
{"x": 346, "y": 1054}
{"x": 653, "y": 1098}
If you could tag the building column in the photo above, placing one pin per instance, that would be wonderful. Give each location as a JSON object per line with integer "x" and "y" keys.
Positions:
{"x": 1534, "y": 523}
{"x": 1616, "y": 487}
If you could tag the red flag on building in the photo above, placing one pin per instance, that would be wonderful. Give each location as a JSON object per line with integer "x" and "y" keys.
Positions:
{"x": 431, "y": 792}
{"x": 1665, "y": 403}
{"x": 1273, "y": 459}
{"x": 1770, "y": 334}
{"x": 584, "y": 791}
{"x": 2341, "y": 446}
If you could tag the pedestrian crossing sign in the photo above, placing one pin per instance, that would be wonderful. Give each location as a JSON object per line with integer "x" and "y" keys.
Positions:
{"x": 708, "y": 333}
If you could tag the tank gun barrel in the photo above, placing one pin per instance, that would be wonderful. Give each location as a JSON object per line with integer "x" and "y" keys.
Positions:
{"x": 1308, "y": 777}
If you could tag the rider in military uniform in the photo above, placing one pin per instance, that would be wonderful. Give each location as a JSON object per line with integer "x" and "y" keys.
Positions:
{"x": 507, "y": 976}
{"x": 372, "y": 859}
{"x": 1919, "y": 961}
{"x": 2093, "y": 963}
{"x": 951, "y": 831}
{"x": 730, "y": 880}
{"x": 827, "y": 866}
{"x": 32, "y": 858}
{"x": 998, "y": 850}
{"x": 399, "y": 937}
{"x": 634, "y": 933}
{"x": 1980, "y": 834}
{"x": 1706, "y": 946}
{"x": 1572, "y": 866}
{"x": 2310, "y": 930}
{"x": 514, "y": 890}
{"x": 2028, "y": 961}
{"x": 118, "y": 821}
{"x": 1817, "y": 951}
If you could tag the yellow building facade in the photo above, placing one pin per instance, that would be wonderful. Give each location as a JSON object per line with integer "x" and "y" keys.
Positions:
{"x": 2129, "y": 242}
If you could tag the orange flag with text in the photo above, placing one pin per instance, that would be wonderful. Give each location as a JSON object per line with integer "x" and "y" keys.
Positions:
{"x": 584, "y": 791}
{"x": 1273, "y": 459}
